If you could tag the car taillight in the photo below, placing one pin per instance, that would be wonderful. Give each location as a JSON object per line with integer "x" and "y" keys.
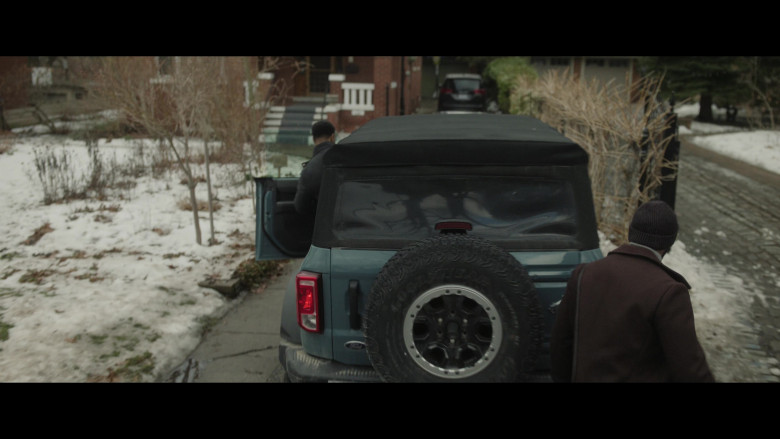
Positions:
{"x": 457, "y": 226}
{"x": 445, "y": 91}
{"x": 307, "y": 288}
{"x": 479, "y": 91}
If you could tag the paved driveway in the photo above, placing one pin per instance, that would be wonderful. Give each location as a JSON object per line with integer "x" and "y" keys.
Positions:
{"x": 729, "y": 215}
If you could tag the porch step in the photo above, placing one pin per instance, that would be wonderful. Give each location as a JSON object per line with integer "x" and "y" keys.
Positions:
{"x": 292, "y": 124}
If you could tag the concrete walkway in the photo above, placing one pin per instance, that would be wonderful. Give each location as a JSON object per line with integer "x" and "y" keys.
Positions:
{"x": 244, "y": 346}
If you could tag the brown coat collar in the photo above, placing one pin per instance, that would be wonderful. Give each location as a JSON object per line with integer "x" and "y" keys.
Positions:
{"x": 639, "y": 252}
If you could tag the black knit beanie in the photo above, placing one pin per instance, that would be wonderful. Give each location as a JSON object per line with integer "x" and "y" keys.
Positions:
{"x": 654, "y": 225}
{"x": 322, "y": 128}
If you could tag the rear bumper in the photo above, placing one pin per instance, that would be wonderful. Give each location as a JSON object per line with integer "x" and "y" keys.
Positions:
{"x": 465, "y": 106}
{"x": 302, "y": 367}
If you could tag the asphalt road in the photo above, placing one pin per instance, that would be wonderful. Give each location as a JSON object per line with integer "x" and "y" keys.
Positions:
{"x": 729, "y": 217}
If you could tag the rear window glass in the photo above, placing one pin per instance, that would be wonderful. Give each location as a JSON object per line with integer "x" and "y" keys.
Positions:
{"x": 463, "y": 85}
{"x": 499, "y": 208}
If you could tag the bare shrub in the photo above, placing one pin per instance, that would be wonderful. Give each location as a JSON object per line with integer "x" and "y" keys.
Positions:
{"x": 623, "y": 129}
{"x": 161, "y": 159}
{"x": 135, "y": 165}
{"x": 57, "y": 175}
{"x": 62, "y": 178}
{"x": 101, "y": 173}
{"x": 523, "y": 97}
{"x": 213, "y": 99}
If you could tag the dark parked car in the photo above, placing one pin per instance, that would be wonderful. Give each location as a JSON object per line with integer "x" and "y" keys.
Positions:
{"x": 462, "y": 92}
{"x": 440, "y": 246}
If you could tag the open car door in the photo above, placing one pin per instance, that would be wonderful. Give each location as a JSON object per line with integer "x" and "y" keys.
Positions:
{"x": 281, "y": 232}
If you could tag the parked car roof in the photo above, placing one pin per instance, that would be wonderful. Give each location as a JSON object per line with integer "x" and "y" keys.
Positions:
{"x": 463, "y": 75}
{"x": 466, "y": 139}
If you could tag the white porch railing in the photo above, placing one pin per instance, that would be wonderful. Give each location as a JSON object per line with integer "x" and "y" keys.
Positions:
{"x": 357, "y": 96}
{"x": 41, "y": 76}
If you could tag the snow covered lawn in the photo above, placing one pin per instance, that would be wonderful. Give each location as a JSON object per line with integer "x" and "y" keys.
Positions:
{"x": 107, "y": 290}
{"x": 759, "y": 148}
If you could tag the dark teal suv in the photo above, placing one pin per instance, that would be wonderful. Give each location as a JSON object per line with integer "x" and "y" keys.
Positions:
{"x": 440, "y": 245}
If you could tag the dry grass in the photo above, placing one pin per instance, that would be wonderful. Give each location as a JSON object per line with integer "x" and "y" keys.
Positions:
{"x": 5, "y": 144}
{"x": 611, "y": 127}
{"x": 38, "y": 234}
{"x": 203, "y": 206}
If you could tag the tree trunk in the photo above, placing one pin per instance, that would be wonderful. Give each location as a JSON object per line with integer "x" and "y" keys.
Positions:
{"x": 194, "y": 202}
{"x": 190, "y": 183}
{"x": 212, "y": 240}
{"x": 705, "y": 108}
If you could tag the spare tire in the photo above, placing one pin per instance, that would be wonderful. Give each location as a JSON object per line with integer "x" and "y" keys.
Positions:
{"x": 453, "y": 308}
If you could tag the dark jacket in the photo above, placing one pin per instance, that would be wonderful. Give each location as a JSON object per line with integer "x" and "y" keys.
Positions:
{"x": 309, "y": 182}
{"x": 635, "y": 323}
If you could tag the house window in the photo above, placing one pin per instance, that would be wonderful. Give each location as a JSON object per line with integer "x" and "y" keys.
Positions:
{"x": 560, "y": 61}
{"x": 319, "y": 69}
{"x": 595, "y": 62}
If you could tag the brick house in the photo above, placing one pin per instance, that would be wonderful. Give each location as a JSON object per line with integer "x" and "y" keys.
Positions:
{"x": 40, "y": 79}
{"x": 15, "y": 81}
{"x": 346, "y": 90}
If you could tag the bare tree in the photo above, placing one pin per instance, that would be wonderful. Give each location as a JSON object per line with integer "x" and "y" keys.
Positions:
{"x": 238, "y": 117}
{"x": 166, "y": 106}
{"x": 763, "y": 81}
{"x": 623, "y": 129}
{"x": 213, "y": 99}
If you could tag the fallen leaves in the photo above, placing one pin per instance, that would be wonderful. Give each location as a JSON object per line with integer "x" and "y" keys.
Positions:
{"x": 36, "y": 276}
{"x": 38, "y": 234}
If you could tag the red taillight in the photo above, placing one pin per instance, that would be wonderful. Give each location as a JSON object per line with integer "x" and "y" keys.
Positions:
{"x": 479, "y": 91}
{"x": 307, "y": 288}
{"x": 458, "y": 226}
{"x": 445, "y": 91}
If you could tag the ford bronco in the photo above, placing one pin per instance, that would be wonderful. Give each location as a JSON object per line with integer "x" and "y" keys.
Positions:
{"x": 439, "y": 247}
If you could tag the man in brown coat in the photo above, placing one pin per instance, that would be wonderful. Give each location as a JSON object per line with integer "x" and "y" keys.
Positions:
{"x": 631, "y": 318}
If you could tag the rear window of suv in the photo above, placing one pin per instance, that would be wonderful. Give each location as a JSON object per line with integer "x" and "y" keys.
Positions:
{"x": 462, "y": 85}
{"x": 502, "y": 208}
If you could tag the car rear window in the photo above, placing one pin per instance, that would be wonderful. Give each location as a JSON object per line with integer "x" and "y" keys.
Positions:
{"x": 499, "y": 208}
{"x": 463, "y": 84}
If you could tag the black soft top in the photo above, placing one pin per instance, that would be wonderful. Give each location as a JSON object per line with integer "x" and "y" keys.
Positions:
{"x": 455, "y": 139}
